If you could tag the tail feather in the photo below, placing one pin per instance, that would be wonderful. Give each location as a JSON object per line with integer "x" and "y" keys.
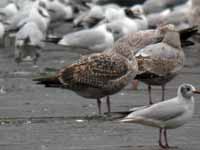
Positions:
{"x": 185, "y": 34}
{"x": 51, "y": 81}
{"x": 188, "y": 32}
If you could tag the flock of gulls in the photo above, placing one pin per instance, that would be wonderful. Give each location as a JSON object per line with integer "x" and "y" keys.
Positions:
{"x": 128, "y": 40}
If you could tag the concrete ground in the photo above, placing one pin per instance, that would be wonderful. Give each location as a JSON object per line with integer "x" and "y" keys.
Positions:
{"x": 35, "y": 118}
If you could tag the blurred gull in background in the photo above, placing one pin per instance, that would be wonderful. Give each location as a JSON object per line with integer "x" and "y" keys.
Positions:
{"x": 95, "y": 39}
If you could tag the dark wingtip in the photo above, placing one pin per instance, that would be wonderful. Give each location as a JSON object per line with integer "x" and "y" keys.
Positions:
{"x": 187, "y": 43}
{"x": 52, "y": 39}
{"x": 188, "y": 32}
{"x": 118, "y": 115}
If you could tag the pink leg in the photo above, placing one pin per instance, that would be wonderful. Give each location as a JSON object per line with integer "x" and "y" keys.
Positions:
{"x": 135, "y": 84}
{"x": 160, "y": 139}
{"x": 166, "y": 141}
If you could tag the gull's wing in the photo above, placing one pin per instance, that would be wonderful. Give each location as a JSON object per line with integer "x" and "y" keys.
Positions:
{"x": 160, "y": 59}
{"x": 95, "y": 70}
{"x": 160, "y": 112}
{"x": 85, "y": 38}
{"x": 137, "y": 40}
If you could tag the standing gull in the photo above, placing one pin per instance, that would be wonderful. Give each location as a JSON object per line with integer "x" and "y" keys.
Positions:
{"x": 28, "y": 41}
{"x": 136, "y": 41}
{"x": 169, "y": 114}
{"x": 159, "y": 63}
{"x": 95, "y": 76}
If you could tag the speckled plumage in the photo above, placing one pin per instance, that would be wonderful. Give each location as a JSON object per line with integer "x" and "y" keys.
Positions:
{"x": 95, "y": 76}
{"x": 106, "y": 72}
{"x": 160, "y": 63}
{"x": 138, "y": 40}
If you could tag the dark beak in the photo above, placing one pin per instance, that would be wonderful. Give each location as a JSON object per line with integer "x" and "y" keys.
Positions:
{"x": 196, "y": 92}
{"x": 131, "y": 14}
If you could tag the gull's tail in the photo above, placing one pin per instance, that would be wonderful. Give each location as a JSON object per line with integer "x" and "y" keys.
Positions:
{"x": 185, "y": 34}
{"x": 51, "y": 81}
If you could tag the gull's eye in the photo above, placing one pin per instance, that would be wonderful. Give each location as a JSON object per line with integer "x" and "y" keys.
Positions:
{"x": 188, "y": 89}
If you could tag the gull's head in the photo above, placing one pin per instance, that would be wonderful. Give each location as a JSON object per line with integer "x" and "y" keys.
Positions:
{"x": 42, "y": 9}
{"x": 137, "y": 9}
{"x": 187, "y": 90}
{"x": 135, "y": 12}
{"x": 166, "y": 28}
{"x": 115, "y": 29}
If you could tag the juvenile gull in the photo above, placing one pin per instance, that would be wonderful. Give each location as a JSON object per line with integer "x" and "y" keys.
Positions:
{"x": 95, "y": 76}
{"x": 169, "y": 114}
{"x": 136, "y": 41}
{"x": 159, "y": 63}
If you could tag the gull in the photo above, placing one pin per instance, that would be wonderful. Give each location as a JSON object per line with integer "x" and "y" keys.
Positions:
{"x": 153, "y": 6}
{"x": 178, "y": 16}
{"x": 91, "y": 17}
{"x": 123, "y": 26}
{"x": 98, "y": 38}
{"x": 133, "y": 21}
{"x": 60, "y": 12}
{"x": 33, "y": 11}
{"x": 141, "y": 19}
{"x": 95, "y": 76}
{"x": 28, "y": 40}
{"x": 39, "y": 15}
{"x": 9, "y": 11}
{"x": 159, "y": 63}
{"x": 106, "y": 14}
{"x": 139, "y": 40}
{"x": 157, "y": 19}
{"x": 169, "y": 114}
{"x": 97, "y": 13}
{"x": 194, "y": 19}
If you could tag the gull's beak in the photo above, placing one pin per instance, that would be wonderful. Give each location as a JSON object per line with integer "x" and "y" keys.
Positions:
{"x": 131, "y": 14}
{"x": 196, "y": 92}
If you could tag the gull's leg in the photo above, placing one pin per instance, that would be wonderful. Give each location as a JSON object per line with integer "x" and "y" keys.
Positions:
{"x": 149, "y": 90}
{"x": 135, "y": 84}
{"x": 99, "y": 105}
{"x": 160, "y": 138}
{"x": 108, "y": 104}
{"x": 37, "y": 55}
{"x": 165, "y": 137}
{"x": 166, "y": 141}
{"x": 163, "y": 92}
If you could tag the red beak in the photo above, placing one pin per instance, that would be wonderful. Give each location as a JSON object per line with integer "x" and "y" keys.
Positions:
{"x": 196, "y": 92}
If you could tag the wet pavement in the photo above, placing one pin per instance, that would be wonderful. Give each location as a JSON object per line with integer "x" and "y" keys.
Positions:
{"x": 35, "y": 118}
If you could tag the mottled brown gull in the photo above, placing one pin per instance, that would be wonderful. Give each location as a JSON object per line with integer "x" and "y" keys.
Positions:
{"x": 95, "y": 76}
{"x": 134, "y": 42}
{"x": 159, "y": 63}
